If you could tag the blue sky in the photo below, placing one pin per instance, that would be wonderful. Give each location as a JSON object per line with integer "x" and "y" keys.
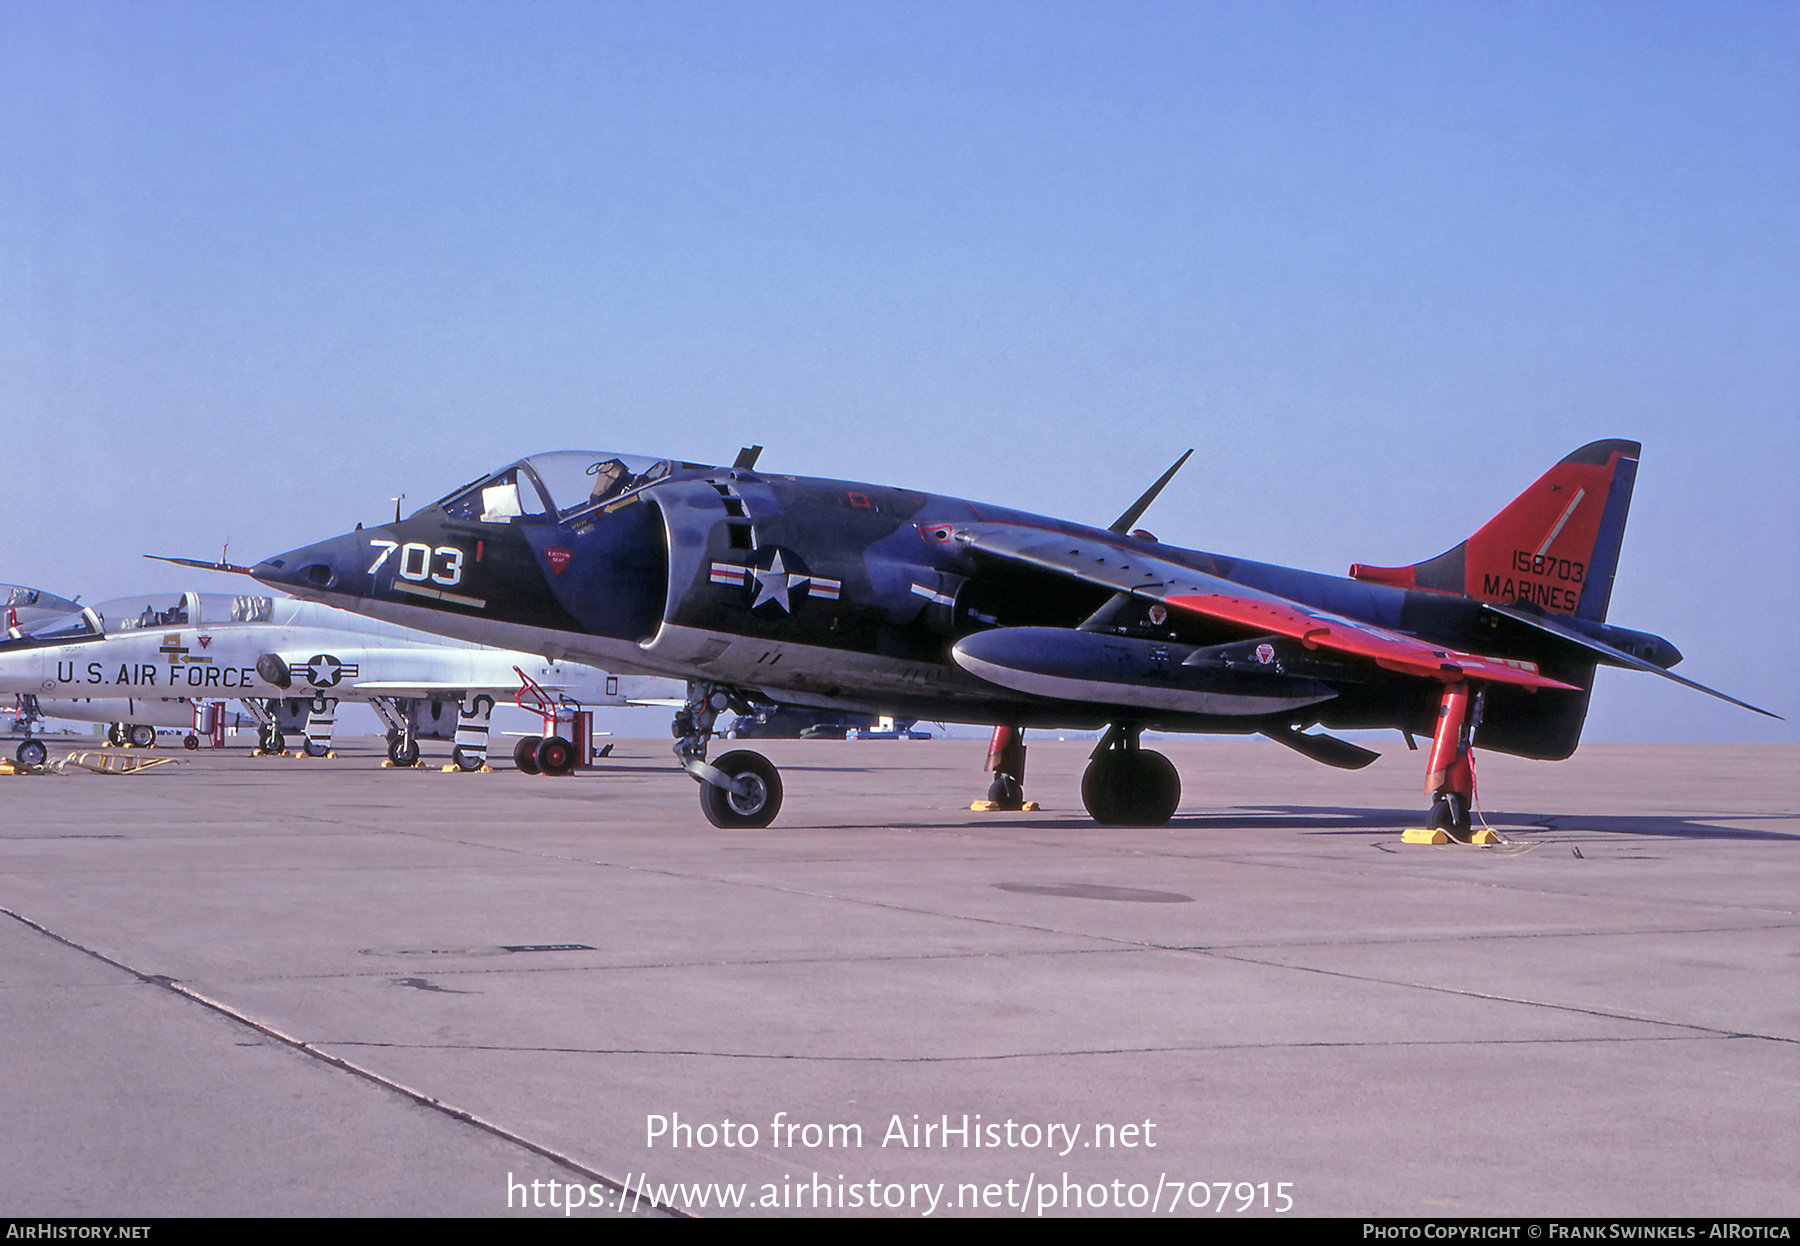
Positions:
{"x": 262, "y": 267}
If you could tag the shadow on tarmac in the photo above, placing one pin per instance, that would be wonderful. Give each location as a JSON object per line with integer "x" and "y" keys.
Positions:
{"x": 1333, "y": 819}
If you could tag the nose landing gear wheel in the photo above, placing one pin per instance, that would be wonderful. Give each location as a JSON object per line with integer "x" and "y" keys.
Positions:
{"x": 1131, "y": 788}
{"x": 556, "y": 757}
{"x": 403, "y": 752}
{"x": 758, "y": 807}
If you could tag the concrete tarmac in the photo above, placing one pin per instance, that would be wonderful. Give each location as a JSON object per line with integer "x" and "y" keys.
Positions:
{"x": 247, "y": 986}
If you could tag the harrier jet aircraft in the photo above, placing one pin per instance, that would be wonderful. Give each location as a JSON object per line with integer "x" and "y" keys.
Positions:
{"x": 757, "y": 587}
{"x": 148, "y": 661}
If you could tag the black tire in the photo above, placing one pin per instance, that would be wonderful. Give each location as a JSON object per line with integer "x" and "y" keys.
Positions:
{"x": 467, "y": 761}
{"x": 403, "y": 754}
{"x": 1449, "y": 816}
{"x": 315, "y": 748}
{"x": 556, "y": 757}
{"x": 115, "y": 735}
{"x": 31, "y": 753}
{"x": 277, "y": 743}
{"x": 730, "y": 812}
{"x": 141, "y": 735}
{"x": 525, "y": 754}
{"x": 190, "y": 742}
{"x": 1138, "y": 788}
{"x": 1006, "y": 792}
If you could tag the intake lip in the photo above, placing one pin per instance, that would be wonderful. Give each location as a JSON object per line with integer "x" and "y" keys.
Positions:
{"x": 274, "y": 670}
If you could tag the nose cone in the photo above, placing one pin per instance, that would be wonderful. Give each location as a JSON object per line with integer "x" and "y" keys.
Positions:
{"x": 319, "y": 572}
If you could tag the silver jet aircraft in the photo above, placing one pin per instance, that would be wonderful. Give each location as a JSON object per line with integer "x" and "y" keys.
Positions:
{"x": 148, "y": 661}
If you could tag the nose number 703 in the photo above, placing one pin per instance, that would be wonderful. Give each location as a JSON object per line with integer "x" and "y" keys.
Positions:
{"x": 419, "y": 562}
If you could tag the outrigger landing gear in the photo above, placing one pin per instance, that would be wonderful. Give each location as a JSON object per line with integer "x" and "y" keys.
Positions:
{"x": 742, "y": 790}
{"x": 1006, "y": 758}
{"x": 1450, "y": 774}
{"x": 1125, "y": 785}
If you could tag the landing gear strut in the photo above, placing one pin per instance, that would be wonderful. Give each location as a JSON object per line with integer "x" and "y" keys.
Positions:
{"x": 263, "y": 710}
{"x": 743, "y": 789}
{"x": 402, "y": 747}
{"x": 402, "y": 740}
{"x": 1006, "y": 758}
{"x": 1450, "y": 774}
{"x": 1125, "y": 785}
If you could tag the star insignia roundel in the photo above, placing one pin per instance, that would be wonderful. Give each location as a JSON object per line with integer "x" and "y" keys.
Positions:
{"x": 775, "y": 577}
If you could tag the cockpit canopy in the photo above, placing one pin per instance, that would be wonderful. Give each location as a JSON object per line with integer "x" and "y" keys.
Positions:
{"x": 19, "y": 597}
{"x": 556, "y": 485}
{"x": 145, "y": 612}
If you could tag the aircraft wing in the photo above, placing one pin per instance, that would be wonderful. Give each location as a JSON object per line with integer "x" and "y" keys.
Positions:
{"x": 1125, "y": 569}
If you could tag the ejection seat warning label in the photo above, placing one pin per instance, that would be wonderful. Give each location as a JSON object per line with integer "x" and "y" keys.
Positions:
{"x": 1007, "y": 1165}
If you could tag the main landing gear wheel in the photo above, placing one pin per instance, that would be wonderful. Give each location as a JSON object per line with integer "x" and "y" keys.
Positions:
{"x": 115, "y": 735}
{"x": 467, "y": 762}
{"x": 1131, "y": 788}
{"x": 141, "y": 735}
{"x": 758, "y": 807}
{"x": 403, "y": 752}
{"x": 556, "y": 757}
{"x": 1450, "y": 814}
{"x": 314, "y": 748}
{"x": 31, "y": 753}
{"x": 525, "y": 754}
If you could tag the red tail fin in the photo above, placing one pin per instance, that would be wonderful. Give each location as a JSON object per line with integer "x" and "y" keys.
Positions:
{"x": 1555, "y": 547}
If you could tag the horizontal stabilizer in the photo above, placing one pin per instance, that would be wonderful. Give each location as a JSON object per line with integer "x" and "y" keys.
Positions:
{"x": 1617, "y": 657}
{"x": 1324, "y": 748}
